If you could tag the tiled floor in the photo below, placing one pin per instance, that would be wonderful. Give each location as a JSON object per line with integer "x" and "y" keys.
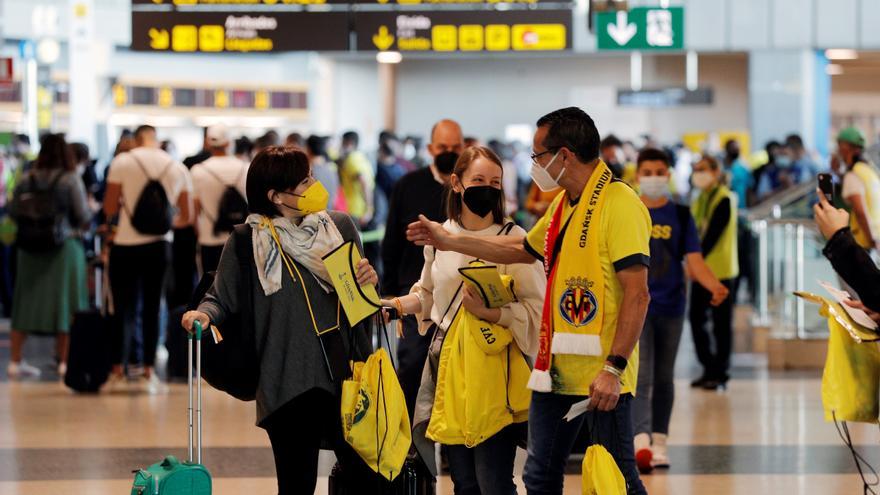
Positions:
{"x": 766, "y": 435}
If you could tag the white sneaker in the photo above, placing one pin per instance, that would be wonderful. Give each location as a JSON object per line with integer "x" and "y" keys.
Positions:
{"x": 660, "y": 450}
{"x": 116, "y": 384}
{"x": 644, "y": 456}
{"x": 22, "y": 370}
{"x": 151, "y": 385}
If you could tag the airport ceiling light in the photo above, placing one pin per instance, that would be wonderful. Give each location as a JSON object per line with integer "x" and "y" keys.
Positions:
{"x": 841, "y": 54}
{"x": 389, "y": 57}
{"x": 833, "y": 69}
{"x": 48, "y": 51}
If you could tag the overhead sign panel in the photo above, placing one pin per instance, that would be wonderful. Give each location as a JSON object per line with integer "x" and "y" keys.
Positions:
{"x": 641, "y": 28}
{"x": 276, "y": 4}
{"x": 464, "y": 31}
{"x": 242, "y": 32}
{"x": 664, "y": 97}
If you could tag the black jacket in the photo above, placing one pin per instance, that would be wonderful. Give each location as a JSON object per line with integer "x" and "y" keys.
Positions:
{"x": 855, "y": 266}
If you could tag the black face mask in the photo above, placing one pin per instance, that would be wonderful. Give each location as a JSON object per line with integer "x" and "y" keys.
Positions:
{"x": 445, "y": 162}
{"x": 482, "y": 199}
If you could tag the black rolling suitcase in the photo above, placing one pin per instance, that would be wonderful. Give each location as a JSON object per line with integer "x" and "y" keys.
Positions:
{"x": 175, "y": 344}
{"x": 88, "y": 362}
{"x": 413, "y": 480}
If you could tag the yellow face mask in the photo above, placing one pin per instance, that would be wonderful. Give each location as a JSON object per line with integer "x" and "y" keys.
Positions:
{"x": 312, "y": 200}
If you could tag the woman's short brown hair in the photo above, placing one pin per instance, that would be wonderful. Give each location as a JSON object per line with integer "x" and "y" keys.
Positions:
{"x": 276, "y": 168}
{"x": 453, "y": 199}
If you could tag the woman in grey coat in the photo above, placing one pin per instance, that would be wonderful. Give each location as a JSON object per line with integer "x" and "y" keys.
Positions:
{"x": 293, "y": 300}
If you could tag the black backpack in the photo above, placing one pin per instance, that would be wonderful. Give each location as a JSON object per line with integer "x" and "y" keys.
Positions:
{"x": 232, "y": 209}
{"x": 39, "y": 217}
{"x": 153, "y": 213}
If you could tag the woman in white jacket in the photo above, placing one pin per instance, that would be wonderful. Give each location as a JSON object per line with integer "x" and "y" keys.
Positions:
{"x": 475, "y": 204}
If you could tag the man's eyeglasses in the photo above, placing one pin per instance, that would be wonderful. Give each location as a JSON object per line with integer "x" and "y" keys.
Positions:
{"x": 535, "y": 156}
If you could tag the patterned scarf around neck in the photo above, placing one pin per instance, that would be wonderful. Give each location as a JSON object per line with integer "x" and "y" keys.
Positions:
{"x": 307, "y": 243}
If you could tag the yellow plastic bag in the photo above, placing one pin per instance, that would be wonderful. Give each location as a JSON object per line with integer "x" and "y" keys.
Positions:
{"x": 600, "y": 473}
{"x": 375, "y": 421}
{"x": 851, "y": 379}
{"x": 481, "y": 383}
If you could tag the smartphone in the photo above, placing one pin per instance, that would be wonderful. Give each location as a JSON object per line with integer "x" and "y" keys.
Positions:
{"x": 826, "y": 185}
{"x": 392, "y": 313}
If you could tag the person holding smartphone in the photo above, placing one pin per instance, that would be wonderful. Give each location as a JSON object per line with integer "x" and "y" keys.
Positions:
{"x": 851, "y": 262}
{"x": 298, "y": 402}
{"x": 475, "y": 205}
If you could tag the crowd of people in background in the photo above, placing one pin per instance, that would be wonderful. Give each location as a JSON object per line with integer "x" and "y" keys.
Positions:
{"x": 159, "y": 222}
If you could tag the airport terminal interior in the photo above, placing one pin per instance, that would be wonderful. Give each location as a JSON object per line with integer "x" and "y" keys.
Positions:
{"x": 743, "y": 138}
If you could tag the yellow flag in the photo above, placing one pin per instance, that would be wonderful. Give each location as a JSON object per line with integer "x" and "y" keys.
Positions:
{"x": 358, "y": 301}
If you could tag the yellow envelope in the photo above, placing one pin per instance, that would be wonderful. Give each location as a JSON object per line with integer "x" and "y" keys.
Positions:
{"x": 358, "y": 302}
{"x": 487, "y": 281}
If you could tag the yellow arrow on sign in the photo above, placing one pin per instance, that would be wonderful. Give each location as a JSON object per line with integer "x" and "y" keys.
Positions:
{"x": 383, "y": 39}
{"x": 159, "y": 39}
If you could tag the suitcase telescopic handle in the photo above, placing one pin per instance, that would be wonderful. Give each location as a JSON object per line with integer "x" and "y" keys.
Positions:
{"x": 189, "y": 381}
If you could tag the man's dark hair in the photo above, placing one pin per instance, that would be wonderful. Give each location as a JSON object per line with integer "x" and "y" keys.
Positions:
{"x": 80, "y": 152}
{"x": 317, "y": 145}
{"x": 276, "y": 167}
{"x": 23, "y": 139}
{"x": 794, "y": 141}
{"x": 571, "y": 128}
{"x": 732, "y": 149}
{"x": 610, "y": 141}
{"x": 294, "y": 139}
{"x": 143, "y": 129}
{"x": 387, "y": 135}
{"x": 351, "y": 137}
{"x": 653, "y": 154}
{"x": 243, "y": 146}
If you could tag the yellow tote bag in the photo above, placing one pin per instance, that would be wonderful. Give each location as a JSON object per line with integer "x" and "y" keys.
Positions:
{"x": 851, "y": 379}
{"x": 600, "y": 473}
{"x": 375, "y": 421}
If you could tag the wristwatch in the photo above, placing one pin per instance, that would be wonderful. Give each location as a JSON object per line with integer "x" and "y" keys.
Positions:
{"x": 618, "y": 362}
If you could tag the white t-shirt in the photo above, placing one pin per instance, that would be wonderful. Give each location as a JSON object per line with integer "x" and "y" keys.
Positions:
{"x": 852, "y": 185}
{"x": 440, "y": 280}
{"x": 124, "y": 170}
{"x": 210, "y": 180}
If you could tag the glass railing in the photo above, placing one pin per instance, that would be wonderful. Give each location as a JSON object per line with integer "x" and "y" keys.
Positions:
{"x": 787, "y": 254}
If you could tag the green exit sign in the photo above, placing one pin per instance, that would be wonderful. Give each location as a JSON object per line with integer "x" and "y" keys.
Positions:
{"x": 641, "y": 28}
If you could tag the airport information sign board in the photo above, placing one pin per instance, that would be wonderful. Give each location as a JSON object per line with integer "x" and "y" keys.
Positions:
{"x": 641, "y": 28}
{"x": 243, "y": 32}
{"x": 456, "y": 31}
{"x": 213, "y": 26}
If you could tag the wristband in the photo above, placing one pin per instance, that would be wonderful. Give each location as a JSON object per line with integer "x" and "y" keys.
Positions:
{"x": 618, "y": 362}
{"x": 614, "y": 371}
{"x": 398, "y": 306}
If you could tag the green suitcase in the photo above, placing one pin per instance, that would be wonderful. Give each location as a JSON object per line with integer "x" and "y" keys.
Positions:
{"x": 170, "y": 476}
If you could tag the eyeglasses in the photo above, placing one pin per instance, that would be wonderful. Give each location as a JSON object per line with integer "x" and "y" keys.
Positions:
{"x": 535, "y": 156}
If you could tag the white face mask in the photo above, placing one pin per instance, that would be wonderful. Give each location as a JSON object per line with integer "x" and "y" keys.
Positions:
{"x": 654, "y": 187}
{"x": 542, "y": 178}
{"x": 703, "y": 180}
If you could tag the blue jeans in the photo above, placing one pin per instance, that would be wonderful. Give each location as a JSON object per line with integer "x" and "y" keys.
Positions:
{"x": 658, "y": 348}
{"x": 486, "y": 469}
{"x": 551, "y": 439}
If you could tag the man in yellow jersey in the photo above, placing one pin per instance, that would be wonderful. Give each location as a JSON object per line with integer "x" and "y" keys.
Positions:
{"x": 861, "y": 188}
{"x": 594, "y": 242}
